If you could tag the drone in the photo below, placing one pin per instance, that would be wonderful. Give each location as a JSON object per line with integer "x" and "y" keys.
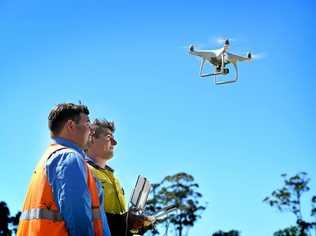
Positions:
{"x": 219, "y": 58}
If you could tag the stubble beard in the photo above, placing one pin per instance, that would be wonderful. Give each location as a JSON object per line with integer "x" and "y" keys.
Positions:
{"x": 109, "y": 155}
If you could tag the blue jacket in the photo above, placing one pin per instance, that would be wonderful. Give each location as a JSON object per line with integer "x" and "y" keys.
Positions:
{"x": 66, "y": 172}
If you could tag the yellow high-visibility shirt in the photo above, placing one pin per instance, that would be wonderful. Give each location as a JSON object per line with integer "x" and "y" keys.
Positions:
{"x": 114, "y": 200}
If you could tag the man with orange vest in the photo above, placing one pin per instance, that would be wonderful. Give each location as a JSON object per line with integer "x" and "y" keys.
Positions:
{"x": 63, "y": 197}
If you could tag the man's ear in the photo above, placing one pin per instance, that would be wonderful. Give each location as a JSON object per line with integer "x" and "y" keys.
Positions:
{"x": 90, "y": 139}
{"x": 70, "y": 126}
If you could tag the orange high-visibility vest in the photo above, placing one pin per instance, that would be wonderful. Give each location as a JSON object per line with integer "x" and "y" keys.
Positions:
{"x": 40, "y": 214}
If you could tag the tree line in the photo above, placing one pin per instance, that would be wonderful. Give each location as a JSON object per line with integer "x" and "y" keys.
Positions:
{"x": 181, "y": 190}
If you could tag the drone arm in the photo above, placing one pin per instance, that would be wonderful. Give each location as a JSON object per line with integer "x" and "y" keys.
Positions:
{"x": 235, "y": 58}
{"x": 202, "y": 53}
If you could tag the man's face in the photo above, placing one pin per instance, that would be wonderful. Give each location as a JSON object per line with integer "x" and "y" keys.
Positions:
{"x": 104, "y": 144}
{"x": 82, "y": 130}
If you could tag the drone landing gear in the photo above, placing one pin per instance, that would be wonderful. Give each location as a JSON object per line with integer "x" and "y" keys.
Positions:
{"x": 220, "y": 70}
{"x": 227, "y": 81}
{"x": 212, "y": 74}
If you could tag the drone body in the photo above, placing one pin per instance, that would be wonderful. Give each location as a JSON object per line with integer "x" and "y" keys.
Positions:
{"x": 219, "y": 58}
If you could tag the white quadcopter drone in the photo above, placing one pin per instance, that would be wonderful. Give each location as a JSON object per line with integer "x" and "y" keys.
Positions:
{"x": 219, "y": 58}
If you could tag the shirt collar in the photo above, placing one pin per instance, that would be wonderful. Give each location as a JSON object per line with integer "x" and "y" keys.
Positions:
{"x": 69, "y": 144}
{"x": 93, "y": 163}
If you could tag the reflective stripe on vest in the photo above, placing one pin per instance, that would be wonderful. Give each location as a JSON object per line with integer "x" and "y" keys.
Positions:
{"x": 96, "y": 214}
{"x": 42, "y": 213}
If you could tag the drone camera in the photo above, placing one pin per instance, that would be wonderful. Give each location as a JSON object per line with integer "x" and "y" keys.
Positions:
{"x": 225, "y": 71}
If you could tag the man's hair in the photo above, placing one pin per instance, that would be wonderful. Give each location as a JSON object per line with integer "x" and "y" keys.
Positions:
{"x": 101, "y": 126}
{"x": 63, "y": 112}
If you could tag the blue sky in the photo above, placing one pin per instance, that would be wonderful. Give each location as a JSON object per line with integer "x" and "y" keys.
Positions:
{"x": 128, "y": 62}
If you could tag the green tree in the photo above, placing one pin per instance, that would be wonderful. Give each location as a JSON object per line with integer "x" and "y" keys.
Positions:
{"x": 229, "y": 233}
{"x": 290, "y": 231}
{"x": 8, "y": 224}
{"x": 181, "y": 190}
{"x": 288, "y": 198}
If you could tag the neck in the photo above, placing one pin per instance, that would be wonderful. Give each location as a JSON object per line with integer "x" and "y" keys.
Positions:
{"x": 100, "y": 161}
{"x": 69, "y": 138}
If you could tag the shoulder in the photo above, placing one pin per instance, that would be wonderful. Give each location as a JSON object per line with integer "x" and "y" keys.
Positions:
{"x": 99, "y": 173}
{"x": 95, "y": 169}
{"x": 66, "y": 158}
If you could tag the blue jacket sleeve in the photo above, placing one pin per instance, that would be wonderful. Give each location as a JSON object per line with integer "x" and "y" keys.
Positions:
{"x": 67, "y": 175}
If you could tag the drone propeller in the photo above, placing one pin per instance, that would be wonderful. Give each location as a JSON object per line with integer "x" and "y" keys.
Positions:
{"x": 191, "y": 46}
{"x": 224, "y": 40}
{"x": 258, "y": 56}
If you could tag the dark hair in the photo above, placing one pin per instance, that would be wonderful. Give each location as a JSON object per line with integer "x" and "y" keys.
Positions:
{"x": 100, "y": 126}
{"x": 63, "y": 112}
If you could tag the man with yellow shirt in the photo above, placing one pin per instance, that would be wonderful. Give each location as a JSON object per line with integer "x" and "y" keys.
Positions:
{"x": 100, "y": 149}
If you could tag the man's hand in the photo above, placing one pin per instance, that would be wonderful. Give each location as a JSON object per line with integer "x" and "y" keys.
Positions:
{"x": 148, "y": 221}
{"x": 139, "y": 223}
